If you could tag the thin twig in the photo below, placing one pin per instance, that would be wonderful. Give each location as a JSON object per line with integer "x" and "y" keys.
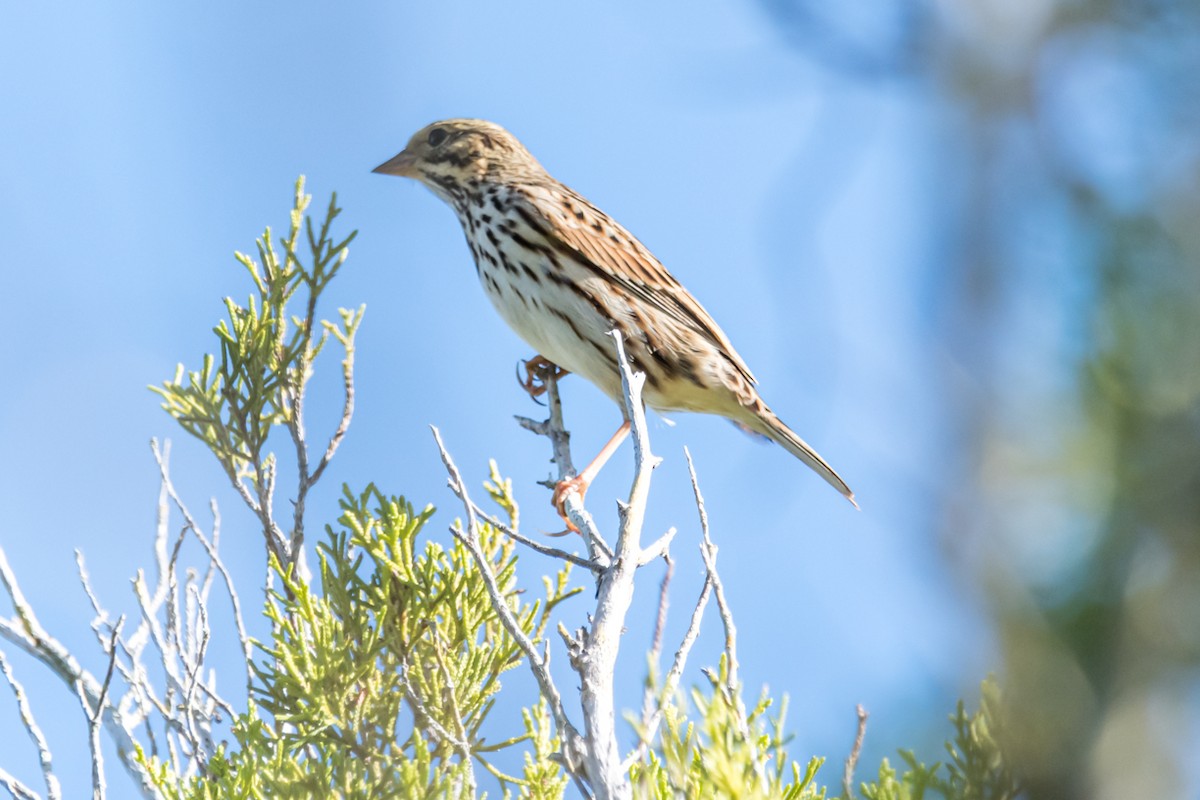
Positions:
{"x": 347, "y": 405}
{"x": 470, "y": 538}
{"x": 195, "y": 654}
{"x": 112, "y": 661}
{"x": 535, "y": 545}
{"x": 93, "y": 741}
{"x": 210, "y": 548}
{"x": 855, "y": 751}
{"x": 660, "y": 620}
{"x": 293, "y": 390}
{"x": 560, "y": 439}
{"x": 731, "y": 688}
{"x": 708, "y": 551}
{"x": 460, "y": 740}
{"x": 85, "y": 580}
{"x": 53, "y": 789}
{"x": 673, "y": 675}
{"x": 659, "y": 548}
{"x": 660, "y": 624}
{"x": 274, "y": 536}
{"x": 96, "y": 714}
{"x": 424, "y": 714}
{"x": 17, "y": 789}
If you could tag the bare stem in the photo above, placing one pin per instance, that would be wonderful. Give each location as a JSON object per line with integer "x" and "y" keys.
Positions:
{"x": 597, "y": 659}
{"x": 17, "y": 789}
{"x": 535, "y": 545}
{"x": 855, "y": 752}
{"x": 537, "y": 664}
{"x": 168, "y": 488}
{"x": 53, "y": 788}
{"x": 560, "y": 440}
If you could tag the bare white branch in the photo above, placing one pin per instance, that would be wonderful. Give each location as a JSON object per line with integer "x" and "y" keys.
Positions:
{"x": 597, "y": 662}
{"x": 25, "y": 631}
{"x": 210, "y": 549}
{"x": 731, "y": 690}
{"x": 653, "y": 720}
{"x": 470, "y": 538}
{"x": 708, "y": 551}
{"x": 17, "y": 789}
{"x": 685, "y": 646}
{"x": 659, "y": 548}
{"x": 560, "y": 439}
{"x": 93, "y": 720}
{"x": 650, "y": 703}
{"x": 53, "y": 788}
{"x": 535, "y": 545}
{"x": 93, "y": 711}
{"x": 179, "y": 718}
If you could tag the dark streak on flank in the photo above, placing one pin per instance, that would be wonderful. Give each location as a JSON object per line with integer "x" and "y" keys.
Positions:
{"x": 596, "y": 304}
{"x": 508, "y": 265}
{"x": 657, "y": 354}
{"x": 565, "y": 317}
{"x": 651, "y": 375}
{"x": 533, "y": 222}
{"x": 528, "y": 245}
{"x": 688, "y": 368}
{"x": 604, "y": 352}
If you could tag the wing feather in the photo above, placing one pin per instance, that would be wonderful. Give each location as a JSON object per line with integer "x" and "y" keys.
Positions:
{"x": 601, "y": 245}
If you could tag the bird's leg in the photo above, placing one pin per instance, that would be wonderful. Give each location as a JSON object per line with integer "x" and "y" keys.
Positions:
{"x": 584, "y": 479}
{"x": 537, "y": 369}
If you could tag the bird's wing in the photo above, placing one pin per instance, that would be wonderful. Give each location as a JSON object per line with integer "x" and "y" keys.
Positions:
{"x": 598, "y": 243}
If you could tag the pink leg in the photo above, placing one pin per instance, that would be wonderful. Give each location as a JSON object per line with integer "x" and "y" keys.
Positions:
{"x": 583, "y": 480}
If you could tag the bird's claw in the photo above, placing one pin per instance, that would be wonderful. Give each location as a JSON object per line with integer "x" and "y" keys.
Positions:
{"x": 530, "y": 383}
{"x": 538, "y": 370}
{"x": 559, "y": 500}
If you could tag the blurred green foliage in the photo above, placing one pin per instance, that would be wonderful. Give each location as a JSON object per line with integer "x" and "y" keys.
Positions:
{"x": 1063, "y": 201}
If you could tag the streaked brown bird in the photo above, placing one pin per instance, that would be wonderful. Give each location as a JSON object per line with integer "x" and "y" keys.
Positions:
{"x": 563, "y": 274}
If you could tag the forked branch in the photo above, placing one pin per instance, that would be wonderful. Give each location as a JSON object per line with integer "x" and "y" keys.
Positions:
{"x": 593, "y": 758}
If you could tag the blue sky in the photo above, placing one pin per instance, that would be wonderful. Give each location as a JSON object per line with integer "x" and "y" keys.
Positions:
{"x": 144, "y": 144}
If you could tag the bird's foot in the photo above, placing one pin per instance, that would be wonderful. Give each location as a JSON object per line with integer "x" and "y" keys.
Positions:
{"x": 538, "y": 370}
{"x": 565, "y": 487}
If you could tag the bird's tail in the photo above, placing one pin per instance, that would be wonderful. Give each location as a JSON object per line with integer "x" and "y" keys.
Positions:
{"x": 774, "y": 429}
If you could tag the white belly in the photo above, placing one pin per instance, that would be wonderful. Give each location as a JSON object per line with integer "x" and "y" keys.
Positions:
{"x": 553, "y": 319}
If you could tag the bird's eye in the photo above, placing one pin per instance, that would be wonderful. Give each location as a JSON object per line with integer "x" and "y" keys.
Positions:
{"x": 437, "y": 136}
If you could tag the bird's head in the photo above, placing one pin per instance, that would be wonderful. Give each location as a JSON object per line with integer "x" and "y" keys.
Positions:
{"x": 456, "y": 153}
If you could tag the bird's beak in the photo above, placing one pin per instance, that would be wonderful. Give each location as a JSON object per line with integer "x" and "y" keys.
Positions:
{"x": 403, "y": 164}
